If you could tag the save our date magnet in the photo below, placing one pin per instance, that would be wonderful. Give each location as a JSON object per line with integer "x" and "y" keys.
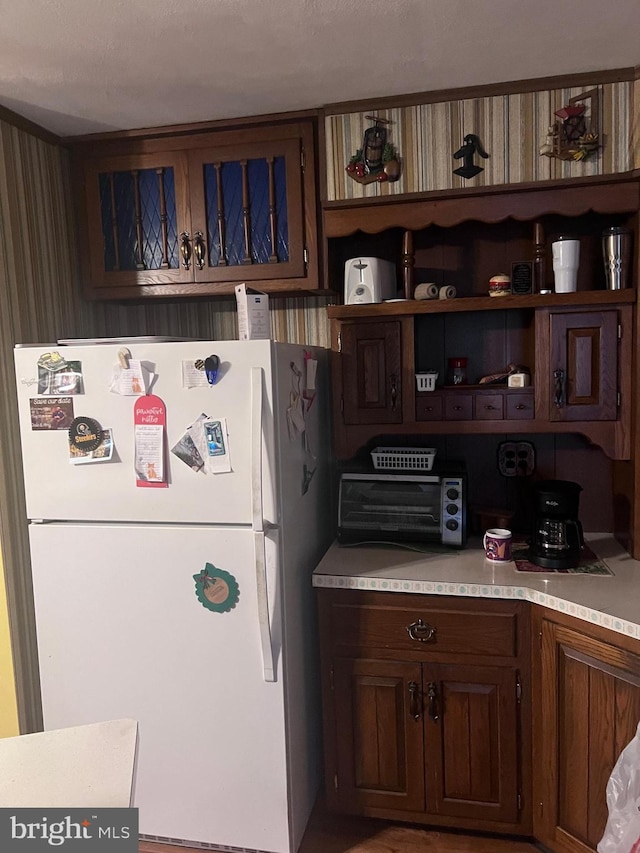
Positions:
{"x": 150, "y": 422}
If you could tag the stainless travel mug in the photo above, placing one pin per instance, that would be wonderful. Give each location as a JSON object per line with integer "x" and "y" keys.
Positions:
{"x": 616, "y": 253}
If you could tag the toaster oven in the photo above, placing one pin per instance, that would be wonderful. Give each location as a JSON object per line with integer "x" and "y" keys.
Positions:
{"x": 406, "y": 507}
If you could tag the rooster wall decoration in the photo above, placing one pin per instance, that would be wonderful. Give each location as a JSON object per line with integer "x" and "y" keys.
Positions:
{"x": 471, "y": 145}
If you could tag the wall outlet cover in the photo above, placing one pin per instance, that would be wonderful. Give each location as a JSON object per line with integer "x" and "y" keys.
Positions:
{"x": 516, "y": 458}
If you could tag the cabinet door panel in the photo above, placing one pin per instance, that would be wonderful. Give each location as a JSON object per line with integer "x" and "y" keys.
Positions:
{"x": 137, "y": 209}
{"x": 371, "y": 371}
{"x": 584, "y": 366}
{"x": 595, "y": 704}
{"x": 380, "y": 751}
{"x": 471, "y": 726}
{"x": 246, "y": 202}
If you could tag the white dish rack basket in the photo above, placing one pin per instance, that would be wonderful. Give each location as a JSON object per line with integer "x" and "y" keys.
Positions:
{"x": 403, "y": 458}
{"x": 426, "y": 381}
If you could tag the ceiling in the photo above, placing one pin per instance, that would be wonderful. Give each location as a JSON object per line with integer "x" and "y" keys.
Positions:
{"x": 84, "y": 66}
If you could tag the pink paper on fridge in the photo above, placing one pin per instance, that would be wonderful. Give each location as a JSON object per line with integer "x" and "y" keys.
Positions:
{"x": 150, "y": 420}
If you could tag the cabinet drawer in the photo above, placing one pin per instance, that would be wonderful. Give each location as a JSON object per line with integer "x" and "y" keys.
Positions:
{"x": 458, "y": 407}
{"x": 520, "y": 406}
{"x": 488, "y": 407}
{"x": 424, "y": 630}
{"x": 429, "y": 407}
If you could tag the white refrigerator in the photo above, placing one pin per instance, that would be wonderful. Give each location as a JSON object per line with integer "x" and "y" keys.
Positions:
{"x": 184, "y": 602}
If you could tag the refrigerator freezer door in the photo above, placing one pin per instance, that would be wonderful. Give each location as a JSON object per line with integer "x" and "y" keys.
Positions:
{"x": 106, "y": 491}
{"x": 121, "y": 633}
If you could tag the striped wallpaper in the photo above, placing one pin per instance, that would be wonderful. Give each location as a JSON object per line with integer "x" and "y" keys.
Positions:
{"x": 512, "y": 129}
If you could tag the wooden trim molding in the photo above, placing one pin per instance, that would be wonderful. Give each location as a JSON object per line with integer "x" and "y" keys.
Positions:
{"x": 24, "y": 124}
{"x": 589, "y": 78}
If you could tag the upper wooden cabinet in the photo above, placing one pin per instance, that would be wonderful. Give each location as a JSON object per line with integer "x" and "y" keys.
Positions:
{"x": 578, "y": 347}
{"x": 194, "y": 214}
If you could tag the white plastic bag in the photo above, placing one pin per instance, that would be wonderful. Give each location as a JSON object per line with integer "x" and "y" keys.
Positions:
{"x": 622, "y": 832}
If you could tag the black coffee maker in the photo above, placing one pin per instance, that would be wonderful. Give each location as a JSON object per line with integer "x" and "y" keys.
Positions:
{"x": 557, "y": 536}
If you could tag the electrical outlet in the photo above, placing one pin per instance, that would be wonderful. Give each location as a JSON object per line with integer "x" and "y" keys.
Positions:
{"x": 516, "y": 458}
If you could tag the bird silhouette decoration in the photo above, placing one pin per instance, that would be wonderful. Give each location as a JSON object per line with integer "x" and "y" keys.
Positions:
{"x": 470, "y": 146}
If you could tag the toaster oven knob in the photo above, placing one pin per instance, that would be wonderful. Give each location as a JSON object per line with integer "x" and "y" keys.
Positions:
{"x": 452, "y": 524}
{"x": 453, "y": 494}
{"x": 452, "y": 509}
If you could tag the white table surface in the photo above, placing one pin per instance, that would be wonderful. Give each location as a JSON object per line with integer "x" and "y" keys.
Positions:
{"x": 610, "y": 601}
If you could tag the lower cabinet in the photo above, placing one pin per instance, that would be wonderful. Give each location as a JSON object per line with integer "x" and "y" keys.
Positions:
{"x": 588, "y": 711}
{"x": 426, "y": 717}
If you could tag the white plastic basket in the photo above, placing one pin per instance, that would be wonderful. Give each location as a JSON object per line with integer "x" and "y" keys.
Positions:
{"x": 403, "y": 458}
{"x": 426, "y": 381}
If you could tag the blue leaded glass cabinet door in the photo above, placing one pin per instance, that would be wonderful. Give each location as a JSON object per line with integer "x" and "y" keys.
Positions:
{"x": 195, "y": 211}
{"x": 137, "y": 214}
{"x": 246, "y": 202}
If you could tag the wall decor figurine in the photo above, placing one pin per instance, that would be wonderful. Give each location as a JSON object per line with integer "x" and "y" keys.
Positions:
{"x": 574, "y": 136}
{"x": 377, "y": 160}
{"x": 470, "y": 145}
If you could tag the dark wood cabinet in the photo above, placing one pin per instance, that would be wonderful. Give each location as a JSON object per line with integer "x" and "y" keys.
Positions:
{"x": 583, "y": 363}
{"x": 576, "y": 345}
{"x": 589, "y": 710}
{"x": 471, "y": 746}
{"x": 379, "y": 735}
{"x": 189, "y": 214}
{"x": 371, "y": 372}
{"x": 424, "y": 713}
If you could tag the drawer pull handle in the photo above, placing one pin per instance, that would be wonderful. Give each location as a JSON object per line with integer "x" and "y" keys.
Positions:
{"x": 457, "y": 408}
{"x": 414, "y": 700}
{"x": 489, "y": 407}
{"x": 520, "y": 407}
{"x": 432, "y": 695}
{"x": 421, "y": 631}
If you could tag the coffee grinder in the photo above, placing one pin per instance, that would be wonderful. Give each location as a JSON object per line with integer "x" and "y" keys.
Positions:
{"x": 557, "y": 533}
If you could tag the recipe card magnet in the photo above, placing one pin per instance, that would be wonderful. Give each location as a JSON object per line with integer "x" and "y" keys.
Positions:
{"x": 129, "y": 377}
{"x": 150, "y": 420}
{"x": 216, "y": 589}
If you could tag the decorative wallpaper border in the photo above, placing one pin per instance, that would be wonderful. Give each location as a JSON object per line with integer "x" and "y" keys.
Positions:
{"x": 469, "y": 590}
{"x": 512, "y": 129}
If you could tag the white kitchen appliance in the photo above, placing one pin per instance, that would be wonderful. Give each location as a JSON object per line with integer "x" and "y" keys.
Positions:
{"x": 369, "y": 280}
{"x": 226, "y": 700}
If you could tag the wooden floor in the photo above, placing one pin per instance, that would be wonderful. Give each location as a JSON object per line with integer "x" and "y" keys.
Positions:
{"x": 333, "y": 834}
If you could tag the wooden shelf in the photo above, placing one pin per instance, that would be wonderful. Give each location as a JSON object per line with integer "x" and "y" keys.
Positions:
{"x": 482, "y": 303}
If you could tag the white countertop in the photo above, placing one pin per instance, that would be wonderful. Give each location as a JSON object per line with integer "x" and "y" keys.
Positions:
{"x": 610, "y": 601}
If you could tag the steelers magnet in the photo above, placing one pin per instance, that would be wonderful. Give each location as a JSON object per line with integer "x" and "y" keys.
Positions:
{"x": 85, "y": 434}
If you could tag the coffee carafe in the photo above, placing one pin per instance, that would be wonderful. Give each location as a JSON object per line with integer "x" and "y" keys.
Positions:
{"x": 557, "y": 536}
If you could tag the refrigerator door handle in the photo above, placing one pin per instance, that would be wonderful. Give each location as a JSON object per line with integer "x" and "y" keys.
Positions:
{"x": 268, "y": 667}
{"x": 257, "y": 519}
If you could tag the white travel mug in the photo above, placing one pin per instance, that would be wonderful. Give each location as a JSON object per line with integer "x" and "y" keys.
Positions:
{"x": 566, "y": 258}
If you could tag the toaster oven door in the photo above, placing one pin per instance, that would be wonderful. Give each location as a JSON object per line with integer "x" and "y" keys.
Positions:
{"x": 395, "y": 508}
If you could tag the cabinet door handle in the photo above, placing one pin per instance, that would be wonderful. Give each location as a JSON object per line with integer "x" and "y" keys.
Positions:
{"x": 432, "y": 695}
{"x": 185, "y": 249}
{"x": 394, "y": 392}
{"x": 559, "y": 389}
{"x": 198, "y": 249}
{"x": 421, "y": 631}
{"x": 414, "y": 700}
